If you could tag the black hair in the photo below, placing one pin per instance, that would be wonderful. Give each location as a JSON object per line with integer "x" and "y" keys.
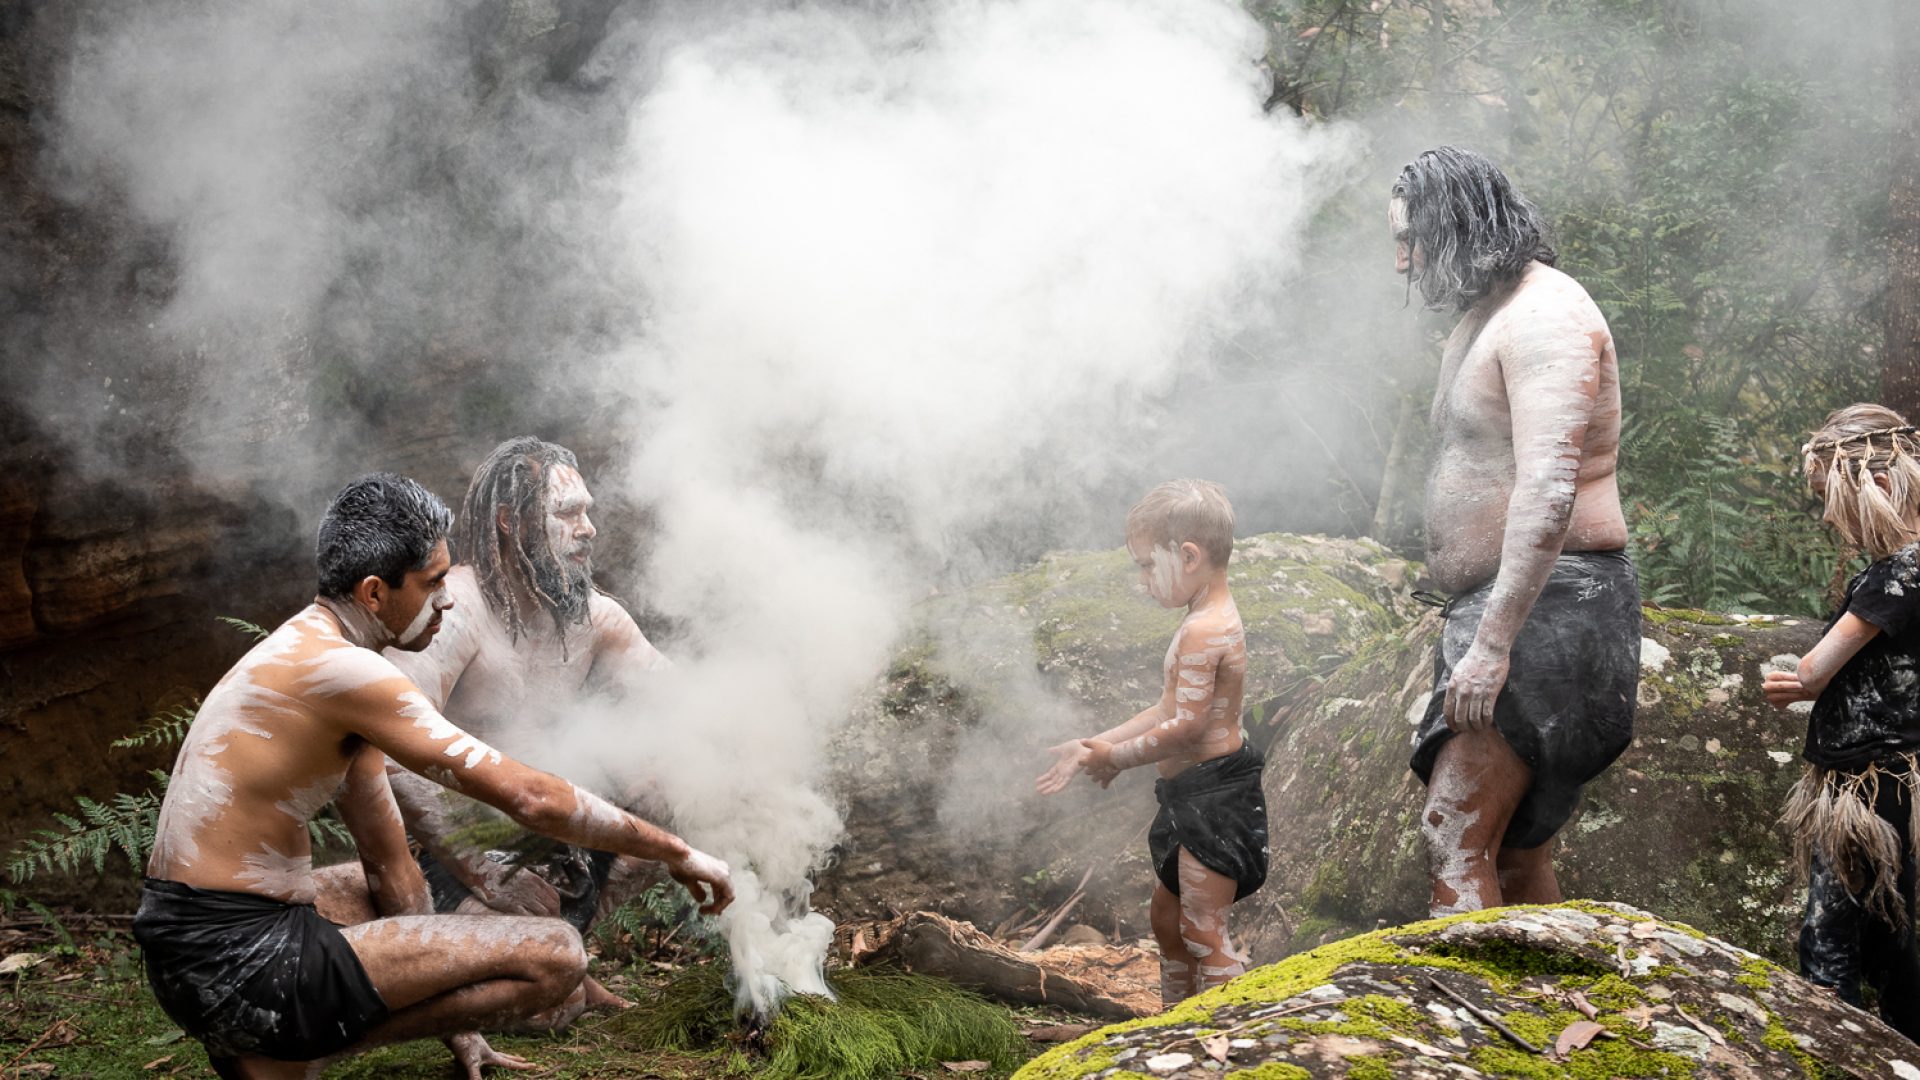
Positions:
{"x": 380, "y": 524}
{"x": 1474, "y": 232}
{"x": 515, "y": 478}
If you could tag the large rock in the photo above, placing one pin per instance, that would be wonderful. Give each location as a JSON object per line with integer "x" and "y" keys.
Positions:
{"x": 1592, "y": 990}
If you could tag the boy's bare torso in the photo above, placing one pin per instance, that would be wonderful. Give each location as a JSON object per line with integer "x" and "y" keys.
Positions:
{"x": 1205, "y": 678}
{"x": 1545, "y": 331}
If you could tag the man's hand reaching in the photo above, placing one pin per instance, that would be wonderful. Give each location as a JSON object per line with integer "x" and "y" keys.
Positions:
{"x": 1476, "y": 683}
{"x": 706, "y": 878}
{"x": 1067, "y": 758}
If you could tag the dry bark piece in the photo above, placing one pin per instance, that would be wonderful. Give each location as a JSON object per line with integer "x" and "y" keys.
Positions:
{"x": 1215, "y": 1047}
{"x": 965, "y": 1066}
{"x": 1114, "y": 981}
{"x": 1576, "y": 1036}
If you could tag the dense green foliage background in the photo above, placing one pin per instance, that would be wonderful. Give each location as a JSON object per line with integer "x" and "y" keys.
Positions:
{"x": 1717, "y": 176}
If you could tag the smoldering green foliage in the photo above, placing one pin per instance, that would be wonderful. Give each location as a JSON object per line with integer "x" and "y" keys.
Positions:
{"x": 883, "y": 1023}
{"x": 1716, "y": 175}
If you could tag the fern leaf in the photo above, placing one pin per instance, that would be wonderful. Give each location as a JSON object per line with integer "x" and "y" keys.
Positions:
{"x": 242, "y": 625}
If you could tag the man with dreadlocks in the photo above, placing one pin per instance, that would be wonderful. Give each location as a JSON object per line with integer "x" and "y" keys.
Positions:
{"x": 528, "y": 637}
{"x": 1852, "y": 814}
{"x": 1535, "y": 679}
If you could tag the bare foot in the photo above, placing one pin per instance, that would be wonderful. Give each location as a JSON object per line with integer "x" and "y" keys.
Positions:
{"x": 599, "y": 997}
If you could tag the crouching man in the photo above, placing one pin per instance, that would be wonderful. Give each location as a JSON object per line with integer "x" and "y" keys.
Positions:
{"x": 234, "y": 949}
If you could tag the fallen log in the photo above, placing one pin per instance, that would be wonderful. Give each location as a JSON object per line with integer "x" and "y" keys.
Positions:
{"x": 1113, "y": 981}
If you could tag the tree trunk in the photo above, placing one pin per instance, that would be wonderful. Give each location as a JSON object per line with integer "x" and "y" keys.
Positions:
{"x": 1900, "y": 361}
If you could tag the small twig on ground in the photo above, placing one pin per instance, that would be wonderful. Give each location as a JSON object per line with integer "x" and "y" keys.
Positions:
{"x": 1245, "y": 1024}
{"x": 65, "y": 1021}
{"x": 1483, "y": 1016}
{"x": 1079, "y": 891}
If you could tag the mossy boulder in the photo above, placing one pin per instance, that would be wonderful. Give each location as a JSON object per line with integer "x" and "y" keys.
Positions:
{"x": 1684, "y": 823}
{"x": 1668, "y": 1001}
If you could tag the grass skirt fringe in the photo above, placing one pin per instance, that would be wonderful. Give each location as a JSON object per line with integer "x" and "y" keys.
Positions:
{"x": 1830, "y": 813}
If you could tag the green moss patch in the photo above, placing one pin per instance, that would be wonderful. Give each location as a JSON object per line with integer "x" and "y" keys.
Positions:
{"x": 881, "y": 1024}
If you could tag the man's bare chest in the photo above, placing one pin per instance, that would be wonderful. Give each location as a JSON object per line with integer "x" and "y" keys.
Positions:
{"x": 1470, "y": 407}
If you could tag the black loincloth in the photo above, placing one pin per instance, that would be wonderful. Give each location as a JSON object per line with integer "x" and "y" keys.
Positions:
{"x": 578, "y": 874}
{"x": 1574, "y": 672}
{"x": 1217, "y": 811}
{"x": 250, "y": 975}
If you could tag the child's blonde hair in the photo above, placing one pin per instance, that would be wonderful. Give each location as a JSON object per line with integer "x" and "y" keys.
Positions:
{"x": 1182, "y": 510}
{"x": 1853, "y": 446}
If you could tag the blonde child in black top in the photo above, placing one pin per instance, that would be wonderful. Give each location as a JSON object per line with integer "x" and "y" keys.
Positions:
{"x": 1853, "y": 813}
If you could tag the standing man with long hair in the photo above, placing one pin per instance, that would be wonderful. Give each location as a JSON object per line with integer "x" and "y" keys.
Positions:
{"x": 1538, "y": 667}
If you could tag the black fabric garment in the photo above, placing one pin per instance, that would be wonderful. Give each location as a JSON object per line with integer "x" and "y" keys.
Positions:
{"x": 1871, "y": 709}
{"x": 1574, "y": 672}
{"x": 1215, "y": 810}
{"x": 1843, "y": 945}
{"x": 250, "y": 975}
{"x": 578, "y": 874}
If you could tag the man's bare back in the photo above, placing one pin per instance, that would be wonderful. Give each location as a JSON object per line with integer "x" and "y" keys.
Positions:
{"x": 1542, "y": 348}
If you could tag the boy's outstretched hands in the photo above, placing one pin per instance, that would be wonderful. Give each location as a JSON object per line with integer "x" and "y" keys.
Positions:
{"x": 1099, "y": 762}
{"x": 1067, "y": 759}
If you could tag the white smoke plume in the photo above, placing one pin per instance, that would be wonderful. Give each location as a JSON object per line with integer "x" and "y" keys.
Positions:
{"x": 863, "y": 286}
{"x": 906, "y": 275}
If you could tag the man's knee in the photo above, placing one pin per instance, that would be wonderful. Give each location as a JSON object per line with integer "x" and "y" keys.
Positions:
{"x": 1450, "y": 831}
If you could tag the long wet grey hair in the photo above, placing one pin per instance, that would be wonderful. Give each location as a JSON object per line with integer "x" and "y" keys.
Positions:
{"x": 512, "y": 560}
{"x": 1474, "y": 232}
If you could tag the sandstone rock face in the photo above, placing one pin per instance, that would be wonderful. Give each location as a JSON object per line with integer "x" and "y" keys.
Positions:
{"x": 1591, "y": 990}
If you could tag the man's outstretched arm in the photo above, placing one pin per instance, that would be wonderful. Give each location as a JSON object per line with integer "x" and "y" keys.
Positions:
{"x": 381, "y": 706}
{"x": 1551, "y": 367}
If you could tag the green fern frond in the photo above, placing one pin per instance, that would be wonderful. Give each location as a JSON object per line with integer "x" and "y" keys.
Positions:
{"x": 259, "y": 633}
{"x": 166, "y": 729}
{"x": 125, "y": 823}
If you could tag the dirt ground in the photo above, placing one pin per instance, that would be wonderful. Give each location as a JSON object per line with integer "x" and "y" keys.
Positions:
{"x": 83, "y": 1010}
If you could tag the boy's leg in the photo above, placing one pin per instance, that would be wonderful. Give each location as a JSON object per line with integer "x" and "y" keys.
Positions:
{"x": 1477, "y": 782}
{"x": 1205, "y": 896}
{"x": 1176, "y": 966}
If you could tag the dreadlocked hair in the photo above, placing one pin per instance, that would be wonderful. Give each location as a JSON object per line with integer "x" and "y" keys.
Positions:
{"x": 1855, "y": 449}
{"x": 1473, "y": 231}
{"x": 514, "y": 478}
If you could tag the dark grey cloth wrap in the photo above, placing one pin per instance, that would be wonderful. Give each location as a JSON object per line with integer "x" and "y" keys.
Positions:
{"x": 1567, "y": 708}
{"x": 250, "y": 975}
{"x": 1217, "y": 811}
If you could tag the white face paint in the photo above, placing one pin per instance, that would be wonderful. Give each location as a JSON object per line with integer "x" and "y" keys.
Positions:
{"x": 435, "y": 605}
{"x": 569, "y": 531}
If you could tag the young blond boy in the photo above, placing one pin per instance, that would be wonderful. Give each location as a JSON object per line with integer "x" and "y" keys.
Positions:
{"x": 1209, "y": 840}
